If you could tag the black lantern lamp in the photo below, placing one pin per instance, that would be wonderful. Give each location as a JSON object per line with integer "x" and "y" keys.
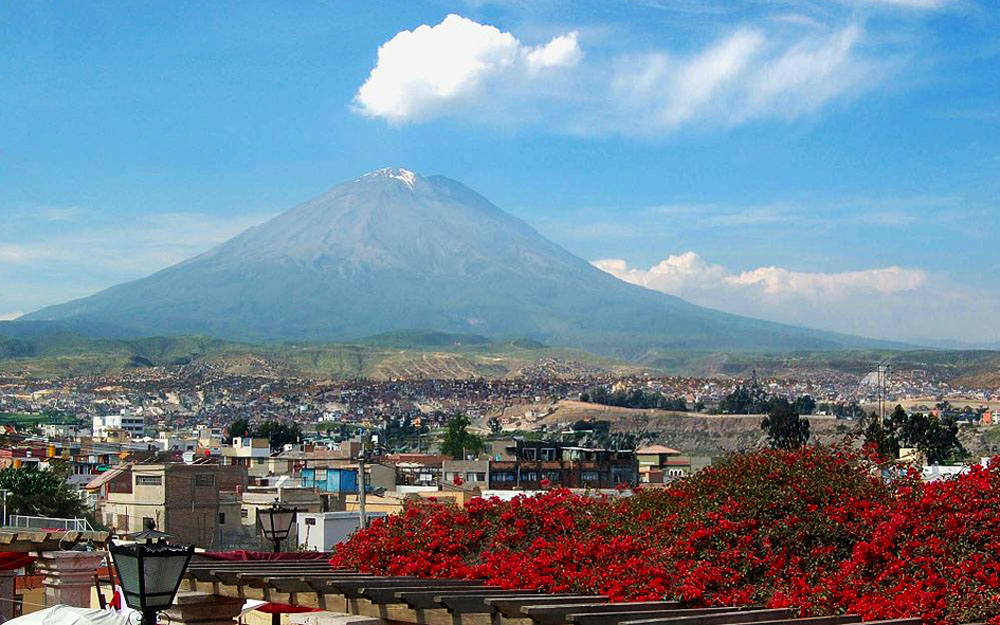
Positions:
{"x": 150, "y": 571}
{"x": 276, "y": 523}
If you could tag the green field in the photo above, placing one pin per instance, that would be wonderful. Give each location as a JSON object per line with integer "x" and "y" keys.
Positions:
{"x": 8, "y": 418}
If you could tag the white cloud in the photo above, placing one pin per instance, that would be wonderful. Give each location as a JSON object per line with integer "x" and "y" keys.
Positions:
{"x": 783, "y": 71}
{"x": 425, "y": 72}
{"x": 680, "y": 273}
{"x": 907, "y": 4}
{"x": 887, "y": 302}
{"x": 779, "y": 281}
{"x": 748, "y": 75}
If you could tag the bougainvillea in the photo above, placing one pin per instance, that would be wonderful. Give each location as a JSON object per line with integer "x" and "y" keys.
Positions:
{"x": 816, "y": 528}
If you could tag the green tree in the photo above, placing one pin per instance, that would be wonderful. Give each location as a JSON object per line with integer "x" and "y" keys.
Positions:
{"x": 495, "y": 426}
{"x": 237, "y": 428}
{"x": 279, "y": 433}
{"x": 936, "y": 438}
{"x": 458, "y": 442}
{"x": 804, "y": 405}
{"x": 881, "y": 438}
{"x": 41, "y": 492}
{"x": 745, "y": 399}
{"x": 784, "y": 428}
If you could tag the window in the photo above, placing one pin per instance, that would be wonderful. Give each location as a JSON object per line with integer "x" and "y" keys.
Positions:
{"x": 320, "y": 475}
{"x": 311, "y": 520}
{"x": 146, "y": 520}
{"x": 148, "y": 480}
{"x": 590, "y": 476}
{"x": 474, "y": 476}
{"x": 548, "y": 453}
{"x": 204, "y": 479}
{"x": 529, "y": 476}
{"x": 553, "y": 476}
{"x": 222, "y": 518}
{"x": 244, "y": 513}
{"x": 529, "y": 453}
{"x": 503, "y": 476}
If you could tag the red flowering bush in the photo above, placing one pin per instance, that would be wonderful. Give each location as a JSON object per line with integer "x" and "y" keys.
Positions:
{"x": 813, "y": 528}
{"x": 935, "y": 554}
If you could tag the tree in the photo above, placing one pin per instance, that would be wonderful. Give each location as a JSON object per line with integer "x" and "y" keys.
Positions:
{"x": 41, "y": 492}
{"x": 935, "y": 437}
{"x": 880, "y": 438}
{"x": 458, "y": 442}
{"x": 805, "y": 405}
{"x": 279, "y": 433}
{"x": 745, "y": 399}
{"x": 237, "y": 428}
{"x": 495, "y": 426}
{"x": 784, "y": 428}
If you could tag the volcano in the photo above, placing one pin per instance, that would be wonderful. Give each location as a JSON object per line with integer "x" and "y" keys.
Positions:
{"x": 393, "y": 250}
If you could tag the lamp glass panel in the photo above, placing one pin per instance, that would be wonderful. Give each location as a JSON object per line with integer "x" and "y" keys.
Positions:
{"x": 127, "y": 565}
{"x": 266, "y": 520}
{"x": 283, "y": 523}
{"x": 162, "y": 575}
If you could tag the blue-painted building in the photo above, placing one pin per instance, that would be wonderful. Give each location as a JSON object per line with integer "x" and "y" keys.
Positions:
{"x": 330, "y": 480}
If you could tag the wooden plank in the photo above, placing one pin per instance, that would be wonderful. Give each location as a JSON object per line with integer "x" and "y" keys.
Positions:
{"x": 390, "y": 594}
{"x": 353, "y": 587}
{"x": 721, "y": 618}
{"x": 511, "y": 606}
{"x": 595, "y": 617}
{"x": 555, "y": 614}
{"x": 836, "y": 619}
{"x": 488, "y": 602}
{"x": 424, "y": 599}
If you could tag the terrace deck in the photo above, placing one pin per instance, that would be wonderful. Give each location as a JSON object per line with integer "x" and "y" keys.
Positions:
{"x": 25, "y": 541}
{"x": 426, "y": 601}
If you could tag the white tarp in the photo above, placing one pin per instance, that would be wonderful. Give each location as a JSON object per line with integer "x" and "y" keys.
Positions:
{"x": 68, "y": 615}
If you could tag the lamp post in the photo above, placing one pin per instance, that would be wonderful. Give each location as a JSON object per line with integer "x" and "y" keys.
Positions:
{"x": 150, "y": 571}
{"x": 276, "y": 523}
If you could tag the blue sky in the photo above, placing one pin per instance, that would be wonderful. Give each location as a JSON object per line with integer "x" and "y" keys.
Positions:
{"x": 831, "y": 163}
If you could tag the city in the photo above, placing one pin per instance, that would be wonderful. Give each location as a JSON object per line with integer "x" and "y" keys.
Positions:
{"x": 493, "y": 312}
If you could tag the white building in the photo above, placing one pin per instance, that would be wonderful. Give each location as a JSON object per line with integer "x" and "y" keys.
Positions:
{"x": 320, "y": 531}
{"x": 133, "y": 424}
{"x": 247, "y": 451}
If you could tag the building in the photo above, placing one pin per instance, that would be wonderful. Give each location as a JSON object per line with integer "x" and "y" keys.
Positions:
{"x": 255, "y": 499}
{"x": 195, "y": 503}
{"x": 330, "y": 480}
{"x": 659, "y": 464}
{"x": 416, "y": 469}
{"x": 132, "y": 424}
{"x": 471, "y": 473}
{"x": 530, "y": 465}
{"x": 320, "y": 532}
{"x": 247, "y": 452}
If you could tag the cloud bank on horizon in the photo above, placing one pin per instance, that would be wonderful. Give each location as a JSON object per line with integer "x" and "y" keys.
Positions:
{"x": 867, "y": 302}
{"x": 464, "y": 69}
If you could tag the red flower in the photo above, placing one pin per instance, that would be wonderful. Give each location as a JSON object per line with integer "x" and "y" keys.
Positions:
{"x": 817, "y": 529}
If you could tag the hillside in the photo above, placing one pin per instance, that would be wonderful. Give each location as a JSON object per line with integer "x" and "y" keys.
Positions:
{"x": 64, "y": 354}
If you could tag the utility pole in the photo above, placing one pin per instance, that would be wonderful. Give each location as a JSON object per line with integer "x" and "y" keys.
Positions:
{"x": 4, "y": 492}
{"x": 361, "y": 490}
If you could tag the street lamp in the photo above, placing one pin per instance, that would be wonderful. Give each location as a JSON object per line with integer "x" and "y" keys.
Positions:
{"x": 276, "y": 523}
{"x": 150, "y": 571}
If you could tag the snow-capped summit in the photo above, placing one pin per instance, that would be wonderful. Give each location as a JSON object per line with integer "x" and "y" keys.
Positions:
{"x": 405, "y": 176}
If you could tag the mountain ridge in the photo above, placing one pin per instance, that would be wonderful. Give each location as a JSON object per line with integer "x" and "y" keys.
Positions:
{"x": 392, "y": 250}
